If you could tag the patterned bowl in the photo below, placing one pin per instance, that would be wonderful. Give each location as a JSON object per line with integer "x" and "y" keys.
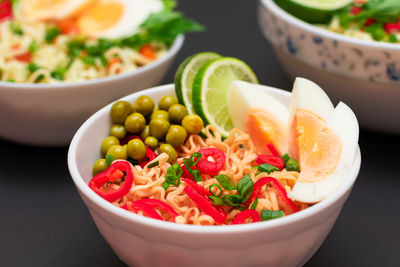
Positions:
{"x": 364, "y": 74}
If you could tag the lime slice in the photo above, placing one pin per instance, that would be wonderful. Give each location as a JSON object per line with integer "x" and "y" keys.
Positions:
{"x": 185, "y": 75}
{"x": 313, "y": 11}
{"x": 210, "y": 88}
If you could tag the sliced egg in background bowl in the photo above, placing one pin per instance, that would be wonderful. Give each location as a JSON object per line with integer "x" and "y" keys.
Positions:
{"x": 322, "y": 138}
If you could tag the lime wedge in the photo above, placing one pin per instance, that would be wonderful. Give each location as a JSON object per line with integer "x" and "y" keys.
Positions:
{"x": 313, "y": 11}
{"x": 185, "y": 75}
{"x": 210, "y": 89}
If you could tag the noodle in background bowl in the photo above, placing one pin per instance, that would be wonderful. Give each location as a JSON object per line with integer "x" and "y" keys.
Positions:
{"x": 49, "y": 114}
{"x": 363, "y": 74}
{"x": 141, "y": 241}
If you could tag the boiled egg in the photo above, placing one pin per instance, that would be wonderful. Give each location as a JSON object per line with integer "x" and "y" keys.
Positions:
{"x": 42, "y": 10}
{"x": 323, "y": 139}
{"x": 257, "y": 112}
{"x": 116, "y": 18}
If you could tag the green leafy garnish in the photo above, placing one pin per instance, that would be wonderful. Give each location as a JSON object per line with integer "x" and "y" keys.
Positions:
{"x": 265, "y": 167}
{"x": 190, "y": 162}
{"x": 32, "y": 67}
{"x": 254, "y": 204}
{"x": 109, "y": 160}
{"x": 226, "y": 182}
{"x": 173, "y": 176}
{"x": 232, "y": 200}
{"x": 271, "y": 214}
{"x": 216, "y": 201}
{"x": 286, "y": 157}
{"x": 59, "y": 73}
{"x": 245, "y": 187}
{"x": 293, "y": 165}
{"x": 51, "y": 34}
{"x": 16, "y": 28}
{"x": 153, "y": 164}
{"x": 33, "y": 46}
{"x": 219, "y": 190}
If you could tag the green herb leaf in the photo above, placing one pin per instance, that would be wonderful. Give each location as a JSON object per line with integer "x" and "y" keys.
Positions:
{"x": 32, "y": 67}
{"x": 245, "y": 187}
{"x": 109, "y": 160}
{"x": 271, "y": 214}
{"x": 51, "y": 34}
{"x": 16, "y": 28}
{"x": 33, "y": 46}
{"x": 173, "y": 176}
{"x": 226, "y": 182}
{"x": 59, "y": 73}
{"x": 216, "y": 201}
{"x": 254, "y": 204}
{"x": 153, "y": 164}
{"x": 232, "y": 200}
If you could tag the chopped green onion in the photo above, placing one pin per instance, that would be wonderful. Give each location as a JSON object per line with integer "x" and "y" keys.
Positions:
{"x": 189, "y": 163}
{"x": 254, "y": 204}
{"x": 109, "y": 160}
{"x": 265, "y": 167}
{"x": 293, "y": 165}
{"x": 232, "y": 200}
{"x": 217, "y": 186}
{"x": 173, "y": 176}
{"x": 33, "y": 46}
{"x": 59, "y": 73}
{"x": 89, "y": 60}
{"x": 271, "y": 214}
{"x": 286, "y": 157}
{"x": 51, "y": 34}
{"x": 226, "y": 182}
{"x": 39, "y": 78}
{"x": 32, "y": 67}
{"x": 10, "y": 80}
{"x": 393, "y": 38}
{"x": 16, "y": 28}
{"x": 216, "y": 201}
{"x": 245, "y": 187}
{"x": 153, "y": 164}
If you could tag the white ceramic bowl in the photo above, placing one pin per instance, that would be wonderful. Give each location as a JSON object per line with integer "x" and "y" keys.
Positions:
{"x": 364, "y": 74}
{"x": 50, "y": 114}
{"x": 141, "y": 241}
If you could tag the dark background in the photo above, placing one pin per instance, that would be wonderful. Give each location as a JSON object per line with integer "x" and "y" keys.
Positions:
{"x": 43, "y": 221}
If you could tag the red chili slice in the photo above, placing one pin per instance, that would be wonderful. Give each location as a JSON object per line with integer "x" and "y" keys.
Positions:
{"x": 24, "y": 57}
{"x": 286, "y": 203}
{"x": 147, "y": 210}
{"x": 150, "y": 156}
{"x": 355, "y": 10}
{"x": 154, "y": 203}
{"x": 246, "y": 214}
{"x": 199, "y": 189}
{"x": 392, "y": 27}
{"x": 109, "y": 175}
{"x": 206, "y": 166}
{"x": 273, "y": 150}
{"x": 271, "y": 160}
{"x": 218, "y": 214}
{"x": 5, "y": 9}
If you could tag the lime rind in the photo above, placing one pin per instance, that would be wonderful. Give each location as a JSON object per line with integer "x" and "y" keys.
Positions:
{"x": 185, "y": 76}
{"x": 210, "y": 88}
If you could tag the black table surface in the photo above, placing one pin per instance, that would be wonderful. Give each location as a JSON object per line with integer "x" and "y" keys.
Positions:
{"x": 43, "y": 221}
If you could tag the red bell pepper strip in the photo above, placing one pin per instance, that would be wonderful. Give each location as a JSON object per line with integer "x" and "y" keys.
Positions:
{"x": 392, "y": 27}
{"x": 24, "y": 57}
{"x": 206, "y": 166}
{"x": 218, "y": 214}
{"x": 109, "y": 175}
{"x": 271, "y": 160}
{"x": 147, "y": 210}
{"x": 5, "y": 9}
{"x": 246, "y": 214}
{"x": 148, "y": 51}
{"x": 369, "y": 22}
{"x": 198, "y": 188}
{"x": 273, "y": 150}
{"x": 355, "y": 10}
{"x": 286, "y": 203}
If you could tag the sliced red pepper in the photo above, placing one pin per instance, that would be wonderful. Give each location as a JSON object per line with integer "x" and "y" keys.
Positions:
{"x": 369, "y": 21}
{"x": 247, "y": 214}
{"x": 147, "y": 210}
{"x": 355, "y": 10}
{"x": 392, "y": 27}
{"x": 286, "y": 203}
{"x": 271, "y": 160}
{"x": 5, "y": 9}
{"x": 109, "y": 175}
{"x": 148, "y": 51}
{"x": 273, "y": 150}
{"x": 206, "y": 166}
{"x": 150, "y": 156}
{"x": 152, "y": 204}
{"x": 218, "y": 214}
{"x": 199, "y": 189}
{"x": 24, "y": 57}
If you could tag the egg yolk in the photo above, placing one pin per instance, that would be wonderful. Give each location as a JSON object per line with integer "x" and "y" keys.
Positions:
{"x": 316, "y": 147}
{"x": 100, "y": 17}
{"x": 263, "y": 129}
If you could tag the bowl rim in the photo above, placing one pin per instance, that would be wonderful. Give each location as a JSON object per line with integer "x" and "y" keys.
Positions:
{"x": 197, "y": 229}
{"x": 175, "y": 47}
{"x": 270, "y": 4}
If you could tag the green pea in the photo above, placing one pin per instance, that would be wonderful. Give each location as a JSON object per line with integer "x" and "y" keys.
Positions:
{"x": 107, "y": 143}
{"x": 144, "y": 105}
{"x": 120, "y": 110}
{"x": 118, "y": 152}
{"x": 162, "y": 114}
{"x": 193, "y": 124}
{"x": 159, "y": 128}
{"x": 170, "y": 150}
{"x": 292, "y": 165}
{"x": 118, "y": 130}
{"x": 167, "y": 101}
{"x": 145, "y": 133}
{"x": 177, "y": 112}
{"x": 136, "y": 149}
{"x": 151, "y": 142}
{"x": 99, "y": 166}
{"x": 176, "y": 136}
{"x": 135, "y": 123}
